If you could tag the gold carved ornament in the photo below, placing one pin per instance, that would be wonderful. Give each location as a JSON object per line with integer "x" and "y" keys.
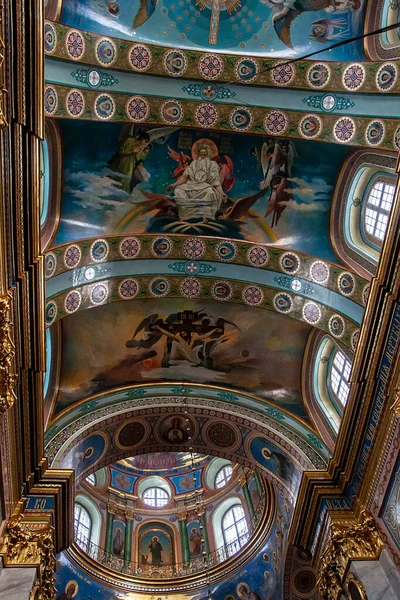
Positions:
{"x": 7, "y": 354}
{"x": 28, "y": 544}
{"x": 360, "y": 541}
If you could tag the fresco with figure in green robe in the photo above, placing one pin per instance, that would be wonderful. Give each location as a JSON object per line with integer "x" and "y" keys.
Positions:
{"x": 130, "y": 179}
{"x": 182, "y": 340}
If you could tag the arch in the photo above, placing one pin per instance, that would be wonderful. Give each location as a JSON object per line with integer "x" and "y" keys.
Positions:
{"x": 154, "y": 482}
{"x": 385, "y": 46}
{"x": 212, "y": 470}
{"x": 51, "y": 190}
{"x": 95, "y": 517}
{"x": 218, "y": 518}
{"x": 156, "y": 556}
{"x": 53, "y": 370}
{"x": 358, "y": 175}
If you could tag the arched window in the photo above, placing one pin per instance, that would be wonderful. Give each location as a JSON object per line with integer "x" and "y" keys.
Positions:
{"x": 82, "y": 527}
{"x": 155, "y": 496}
{"x": 339, "y": 377}
{"x": 377, "y": 210}
{"x": 223, "y": 476}
{"x": 91, "y": 479}
{"x": 234, "y": 529}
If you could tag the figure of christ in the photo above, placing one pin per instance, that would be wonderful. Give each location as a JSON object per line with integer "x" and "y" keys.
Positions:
{"x": 198, "y": 192}
{"x": 184, "y": 347}
{"x": 155, "y": 550}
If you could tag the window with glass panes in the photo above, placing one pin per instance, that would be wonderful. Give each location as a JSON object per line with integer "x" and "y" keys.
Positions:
{"x": 91, "y": 479}
{"x": 223, "y": 476}
{"x": 340, "y": 373}
{"x": 377, "y": 210}
{"x": 234, "y": 529}
{"x": 155, "y": 496}
{"x": 82, "y": 526}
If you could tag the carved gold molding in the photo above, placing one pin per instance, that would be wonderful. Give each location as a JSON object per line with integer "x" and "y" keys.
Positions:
{"x": 396, "y": 402}
{"x": 348, "y": 541}
{"x": 7, "y": 354}
{"x": 30, "y": 543}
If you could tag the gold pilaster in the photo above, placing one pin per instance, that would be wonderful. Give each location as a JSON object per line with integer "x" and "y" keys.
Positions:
{"x": 7, "y": 356}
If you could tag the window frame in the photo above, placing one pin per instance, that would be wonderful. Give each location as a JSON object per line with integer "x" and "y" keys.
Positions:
{"x": 155, "y": 505}
{"x": 240, "y": 539}
{"x": 225, "y": 480}
{"x": 336, "y": 401}
{"x": 368, "y": 237}
{"x": 83, "y": 540}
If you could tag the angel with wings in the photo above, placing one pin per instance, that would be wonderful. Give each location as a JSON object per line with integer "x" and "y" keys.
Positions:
{"x": 286, "y": 11}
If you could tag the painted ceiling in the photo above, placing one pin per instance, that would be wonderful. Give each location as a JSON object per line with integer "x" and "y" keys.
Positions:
{"x": 281, "y": 28}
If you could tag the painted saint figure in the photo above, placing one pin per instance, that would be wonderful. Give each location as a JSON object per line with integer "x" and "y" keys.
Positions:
{"x": 155, "y": 550}
{"x": 118, "y": 542}
{"x": 71, "y": 589}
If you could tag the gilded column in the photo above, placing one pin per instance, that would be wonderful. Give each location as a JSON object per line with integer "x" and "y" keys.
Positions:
{"x": 184, "y": 539}
{"x": 128, "y": 536}
{"x": 247, "y": 497}
{"x": 204, "y": 533}
{"x": 109, "y": 528}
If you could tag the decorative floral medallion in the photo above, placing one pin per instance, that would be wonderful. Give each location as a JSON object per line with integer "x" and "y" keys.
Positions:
{"x": 252, "y": 295}
{"x": 222, "y": 290}
{"x": 72, "y": 301}
{"x": 283, "y": 303}
{"x": 365, "y": 294}
{"x": 257, "y": 256}
{"x": 246, "y": 70}
{"x": 99, "y": 250}
{"x": 354, "y": 340}
{"x": 140, "y": 57}
{"x": 192, "y": 267}
{"x": 386, "y": 77}
{"x": 72, "y": 256}
{"x": 50, "y": 38}
{"x": 99, "y": 293}
{"x": 161, "y": 247}
{"x": 209, "y": 91}
{"x": 319, "y": 272}
{"x": 75, "y": 103}
{"x": 128, "y": 289}
{"x": 159, "y": 286}
{"x": 50, "y": 312}
{"x": 346, "y": 284}
{"x": 104, "y": 106}
{"x": 344, "y": 129}
{"x": 94, "y": 78}
{"x": 396, "y": 138}
{"x": 290, "y": 262}
{"x": 221, "y": 435}
{"x": 190, "y": 287}
{"x": 175, "y": 63}
{"x": 375, "y": 133}
{"x": 137, "y": 109}
{"x": 296, "y": 285}
{"x": 194, "y": 248}
{"x": 129, "y": 247}
{"x": 50, "y": 100}
{"x": 50, "y": 264}
{"x": 310, "y": 126}
{"x": 172, "y": 112}
{"x": 106, "y": 51}
{"x": 276, "y": 122}
{"x": 206, "y": 115}
{"x": 354, "y": 77}
{"x": 283, "y": 74}
{"x": 311, "y": 313}
{"x": 318, "y": 75}
{"x": 240, "y": 118}
{"x": 336, "y": 326}
{"x": 211, "y": 66}
{"x": 226, "y": 251}
{"x": 75, "y": 45}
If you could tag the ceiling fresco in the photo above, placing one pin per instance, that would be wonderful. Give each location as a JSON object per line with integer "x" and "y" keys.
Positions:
{"x": 154, "y": 340}
{"x": 281, "y": 28}
{"x": 132, "y": 179}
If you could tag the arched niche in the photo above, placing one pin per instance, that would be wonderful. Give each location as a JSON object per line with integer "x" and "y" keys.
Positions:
{"x": 156, "y": 552}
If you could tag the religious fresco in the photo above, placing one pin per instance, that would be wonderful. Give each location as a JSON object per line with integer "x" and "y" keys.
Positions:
{"x": 131, "y": 179}
{"x": 122, "y": 481}
{"x": 272, "y": 458}
{"x": 87, "y": 453}
{"x": 160, "y": 462}
{"x": 155, "y": 545}
{"x": 182, "y": 340}
{"x": 194, "y": 535}
{"x": 118, "y": 538}
{"x": 271, "y": 27}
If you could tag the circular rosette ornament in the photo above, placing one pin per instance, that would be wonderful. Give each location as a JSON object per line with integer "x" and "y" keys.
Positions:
{"x": 396, "y": 138}
{"x": 283, "y": 303}
{"x": 75, "y": 45}
{"x": 72, "y": 301}
{"x": 75, "y": 103}
{"x": 175, "y": 63}
{"x": 241, "y": 118}
{"x": 190, "y": 287}
{"x": 252, "y": 295}
{"x": 346, "y": 284}
{"x": 99, "y": 250}
{"x": 336, "y": 326}
{"x": 257, "y": 256}
{"x": 104, "y": 107}
{"x": 354, "y": 339}
{"x": 128, "y": 289}
{"x": 129, "y": 247}
{"x": 50, "y": 264}
{"x": 72, "y": 256}
{"x": 344, "y": 130}
{"x": 137, "y": 109}
{"x": 311, "y": 313}
{"x": 140, "y": 57}
{"x": 386, "y": 77}
{"x": 194, "y": 248}
{"x": 161, "y": 247}
{"x": 319, "y": 272}
{"x": 246, "y": 70}
{"x": 50, "y": 313}
{"x": 211, "y": 66}
{"x": 50, "y": 100}
{"x": 290, "y": 263}
{"x": 318, "y": 75}
{"x": 276, "y": 122}
{"x": 310, "y": 126}
{"x": 354, "y": 77}
{"x": 222, "y": 290}
{"x": 226, "y": 251}
{"x": 375, "y": 133}
{"x": 159, "y": 287}
{"x": 283, "y": 74}
{"x": 171, "y": 112}
{"x": 106, "y": 52}
{"x": 206, "y": 115}
{"x": 50, "y": 38}
{"x": 99, "y": 293}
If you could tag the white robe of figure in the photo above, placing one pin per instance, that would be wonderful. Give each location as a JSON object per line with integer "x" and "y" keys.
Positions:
{"x": 198, "y": 198}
